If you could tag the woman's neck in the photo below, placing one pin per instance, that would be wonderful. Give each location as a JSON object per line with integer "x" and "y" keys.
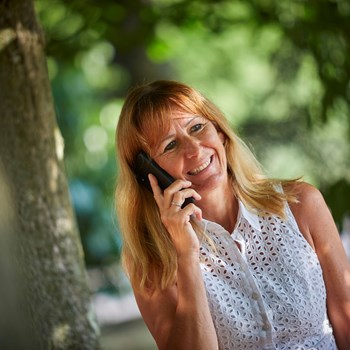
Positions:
{"x": 220, "y": 206}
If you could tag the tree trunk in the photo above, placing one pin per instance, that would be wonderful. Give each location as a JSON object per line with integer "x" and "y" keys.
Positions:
{"x": 44, "y": 233}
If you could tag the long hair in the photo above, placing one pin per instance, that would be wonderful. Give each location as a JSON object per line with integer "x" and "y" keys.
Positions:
{"x": 148, "y": 253}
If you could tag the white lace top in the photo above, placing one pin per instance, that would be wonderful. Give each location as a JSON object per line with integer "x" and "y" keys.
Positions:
{"x": 266, "y": 291}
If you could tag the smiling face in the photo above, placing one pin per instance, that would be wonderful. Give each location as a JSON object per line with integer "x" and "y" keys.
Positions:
{"x": 192, "y": 149}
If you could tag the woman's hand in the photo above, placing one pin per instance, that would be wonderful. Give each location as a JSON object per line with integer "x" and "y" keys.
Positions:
{"x": 175, "y": 219}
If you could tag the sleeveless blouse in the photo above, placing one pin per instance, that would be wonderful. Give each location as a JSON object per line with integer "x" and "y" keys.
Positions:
{"x": 264, "y": 285}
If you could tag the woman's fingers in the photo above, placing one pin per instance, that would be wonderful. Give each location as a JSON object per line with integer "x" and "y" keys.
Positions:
{"x": 179, "y": 197}
{"x": 157, "y": 191}
{"x": 192, "y": 210}
{"x": 175, "y": 218}
{"x": 174, "y": 195}
{"x": 178, "y": 192}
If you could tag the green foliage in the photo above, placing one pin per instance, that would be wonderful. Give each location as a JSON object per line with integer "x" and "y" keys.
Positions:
{"x": 279, "y": 69}
{"x": 337, "y": 196}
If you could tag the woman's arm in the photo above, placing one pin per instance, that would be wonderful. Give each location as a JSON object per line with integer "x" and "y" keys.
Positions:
{"x": 316, "y": 223}
{"x": 179, "y": 317}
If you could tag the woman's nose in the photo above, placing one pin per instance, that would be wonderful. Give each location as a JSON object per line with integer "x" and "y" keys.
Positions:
{"x": 191, "y": 147}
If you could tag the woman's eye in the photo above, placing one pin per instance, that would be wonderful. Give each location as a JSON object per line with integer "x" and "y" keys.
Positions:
{"x": 170, "y": 146}
{"x": 197, "y": 127}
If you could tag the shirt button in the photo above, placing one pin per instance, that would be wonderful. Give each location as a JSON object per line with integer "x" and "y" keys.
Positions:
{"x": 266, "y": 327}
{"x": 255, "y": 296}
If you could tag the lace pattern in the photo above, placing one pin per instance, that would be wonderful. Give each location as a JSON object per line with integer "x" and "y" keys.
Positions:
{"x": 265, "y": 286}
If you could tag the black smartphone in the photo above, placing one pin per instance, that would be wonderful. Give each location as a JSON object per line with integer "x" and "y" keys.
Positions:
{"x": 144, "y": 165}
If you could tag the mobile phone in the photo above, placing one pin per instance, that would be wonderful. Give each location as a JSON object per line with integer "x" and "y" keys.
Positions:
{"x": 144, "y": 165}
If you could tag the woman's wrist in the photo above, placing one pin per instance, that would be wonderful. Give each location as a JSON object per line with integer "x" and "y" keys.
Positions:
{"x": 190, "y": 256}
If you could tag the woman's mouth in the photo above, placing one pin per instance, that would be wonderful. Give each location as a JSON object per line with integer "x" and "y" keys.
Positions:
{"x": 200, "y": 168}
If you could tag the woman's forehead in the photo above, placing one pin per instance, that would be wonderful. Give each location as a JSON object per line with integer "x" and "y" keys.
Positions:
{"x": 156, "y": 123}
{"x": 178, "y": 114}
{"x": 159, "y": 123}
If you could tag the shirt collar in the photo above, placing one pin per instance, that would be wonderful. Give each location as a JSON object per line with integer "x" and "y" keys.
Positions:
{"x": 249, "y": 215}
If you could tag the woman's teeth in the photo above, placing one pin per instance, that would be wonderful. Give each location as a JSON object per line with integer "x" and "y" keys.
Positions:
{"x": 200, "y": 168}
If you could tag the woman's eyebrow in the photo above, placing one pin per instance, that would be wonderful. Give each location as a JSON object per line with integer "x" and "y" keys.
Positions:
{"x": 170, "y": 136}
{"x": 190, "y": 119}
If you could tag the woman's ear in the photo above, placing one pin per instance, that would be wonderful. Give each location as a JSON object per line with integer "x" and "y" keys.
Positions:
{"x": 222, "y": 137}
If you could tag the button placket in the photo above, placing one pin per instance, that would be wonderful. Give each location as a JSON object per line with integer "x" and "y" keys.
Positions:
{"x": 238, "y": 257}
{"x": 255, "y": 295}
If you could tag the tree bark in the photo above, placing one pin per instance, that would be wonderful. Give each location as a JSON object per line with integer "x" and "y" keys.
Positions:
{"x": 45, "y": 241}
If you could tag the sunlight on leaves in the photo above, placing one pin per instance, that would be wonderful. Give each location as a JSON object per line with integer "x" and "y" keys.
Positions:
{"x": 62, "y": 22}
{"x": 110, "y": 113}
{"x": 97, "y": 67}
{"x": 275, "y": 161}
{"x": 95, "y": 138}
{"x": 96, "y": 159}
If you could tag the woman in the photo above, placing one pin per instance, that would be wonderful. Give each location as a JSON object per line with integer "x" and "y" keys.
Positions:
{"x": 253, "y": 263}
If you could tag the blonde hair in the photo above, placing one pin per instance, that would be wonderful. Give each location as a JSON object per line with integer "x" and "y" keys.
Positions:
{"x": 148, "y": 253}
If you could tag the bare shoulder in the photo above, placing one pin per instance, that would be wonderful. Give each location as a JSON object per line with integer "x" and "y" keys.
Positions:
{"x": 314, "y": 219}
{"x": 305, "y": 193}
{"x": 307, "y": 209}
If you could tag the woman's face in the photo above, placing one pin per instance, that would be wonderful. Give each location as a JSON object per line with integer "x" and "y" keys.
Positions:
{"x": 193, "y": 150}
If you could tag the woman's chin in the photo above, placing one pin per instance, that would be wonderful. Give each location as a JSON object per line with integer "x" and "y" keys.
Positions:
{"x": 211, "y": 183}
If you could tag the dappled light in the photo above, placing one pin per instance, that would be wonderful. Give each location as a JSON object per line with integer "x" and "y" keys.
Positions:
{"x": 95, "y": 138}
{"x": 109, "y": 115}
